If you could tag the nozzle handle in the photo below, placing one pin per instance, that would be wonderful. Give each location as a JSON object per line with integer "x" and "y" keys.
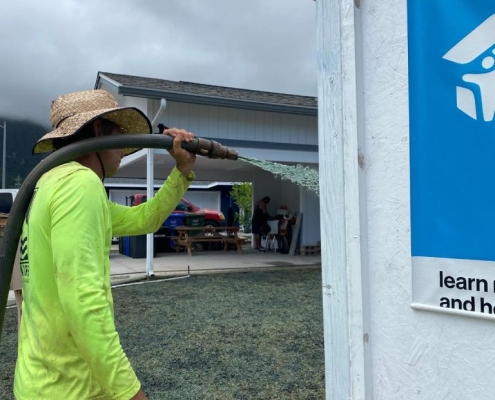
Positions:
{"x": 207, "y": 148}
{"x": 212, "y": 149}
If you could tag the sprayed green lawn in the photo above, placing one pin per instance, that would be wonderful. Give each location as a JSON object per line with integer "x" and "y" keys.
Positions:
{"x": 253, "y": 335}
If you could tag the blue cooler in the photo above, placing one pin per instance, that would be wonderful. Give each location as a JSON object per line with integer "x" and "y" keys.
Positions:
{"x": 173, "y": 221}
{"x": 126, "y": 247}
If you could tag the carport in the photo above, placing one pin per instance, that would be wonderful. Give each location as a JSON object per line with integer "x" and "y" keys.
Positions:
{"x": 262, "y": 125}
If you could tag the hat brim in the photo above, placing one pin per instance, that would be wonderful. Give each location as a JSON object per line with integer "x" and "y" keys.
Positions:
{"x": 130, "y": 119}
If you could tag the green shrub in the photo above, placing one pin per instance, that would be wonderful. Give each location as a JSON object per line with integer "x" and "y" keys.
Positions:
{"x": 242, "y": 194}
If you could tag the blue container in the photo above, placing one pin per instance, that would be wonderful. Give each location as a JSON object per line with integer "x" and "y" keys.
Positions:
{"x": 126, "y": 246}
{"x": 134, "y": 246}
{"x": 173, "y": 221}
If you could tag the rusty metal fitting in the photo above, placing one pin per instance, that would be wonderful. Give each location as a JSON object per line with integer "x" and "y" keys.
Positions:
{"x": 212, "y": 149}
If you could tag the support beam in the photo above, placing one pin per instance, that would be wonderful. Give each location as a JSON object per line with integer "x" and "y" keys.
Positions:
{"x": 150, "y": 192}
{"x": 4, "y": 155}
{"x": 346, "y": 371}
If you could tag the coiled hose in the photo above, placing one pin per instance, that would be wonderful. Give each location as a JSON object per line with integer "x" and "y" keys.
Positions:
{"x": 12, "y": 233}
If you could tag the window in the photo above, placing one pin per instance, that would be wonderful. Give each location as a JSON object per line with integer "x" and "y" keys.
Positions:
{"x": 181, "y": 207}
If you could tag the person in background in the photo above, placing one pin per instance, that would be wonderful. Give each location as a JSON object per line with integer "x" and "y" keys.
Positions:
{"x": 68, "y": 344}
{"x": 259, "y": 221}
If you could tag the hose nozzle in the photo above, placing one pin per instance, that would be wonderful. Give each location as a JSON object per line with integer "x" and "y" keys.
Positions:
{"x": 211, "y": 149}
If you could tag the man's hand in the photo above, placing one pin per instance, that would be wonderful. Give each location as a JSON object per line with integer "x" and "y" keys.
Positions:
{"x": 139, "y": 396}
{"x": 184, "y": 159}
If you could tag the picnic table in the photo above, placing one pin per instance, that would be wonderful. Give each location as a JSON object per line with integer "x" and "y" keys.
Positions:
{"x": 188, "y": 236}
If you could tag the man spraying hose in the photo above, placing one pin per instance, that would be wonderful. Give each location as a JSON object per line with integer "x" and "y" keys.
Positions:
{"x": 68, "y": 345}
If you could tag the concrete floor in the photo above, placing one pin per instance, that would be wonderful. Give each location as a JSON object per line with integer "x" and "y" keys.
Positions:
{"x": 124, "y": 269}
{"x": 167, "y": 264}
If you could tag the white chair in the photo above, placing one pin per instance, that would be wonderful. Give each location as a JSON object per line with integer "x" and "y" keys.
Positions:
{"x": 271, "y": 238}
{"x": 273, "y": 227}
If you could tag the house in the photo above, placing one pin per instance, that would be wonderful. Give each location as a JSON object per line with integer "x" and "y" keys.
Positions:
{"x": 262, "y": 125}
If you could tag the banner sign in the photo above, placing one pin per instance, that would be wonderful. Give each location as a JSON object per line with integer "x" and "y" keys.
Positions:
{"x": 452, "y": 133}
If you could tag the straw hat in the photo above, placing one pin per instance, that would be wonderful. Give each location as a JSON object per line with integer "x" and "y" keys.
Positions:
{"x": 71, "y": 112}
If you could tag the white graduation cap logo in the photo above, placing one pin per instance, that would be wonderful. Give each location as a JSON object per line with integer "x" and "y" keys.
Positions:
{"x": 477, "y": 42}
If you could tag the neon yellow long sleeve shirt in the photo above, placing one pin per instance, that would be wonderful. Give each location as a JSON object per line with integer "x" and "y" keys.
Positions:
{"x": 68, "y": 345}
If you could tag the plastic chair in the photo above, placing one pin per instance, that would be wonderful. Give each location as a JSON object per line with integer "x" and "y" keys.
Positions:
{"x": 271, "y": 238}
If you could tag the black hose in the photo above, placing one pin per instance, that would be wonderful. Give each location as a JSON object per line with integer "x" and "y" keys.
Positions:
{"x": 13, "y": 228}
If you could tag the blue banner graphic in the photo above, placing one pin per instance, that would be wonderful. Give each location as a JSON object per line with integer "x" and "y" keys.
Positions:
{"x": 452, "y": 128}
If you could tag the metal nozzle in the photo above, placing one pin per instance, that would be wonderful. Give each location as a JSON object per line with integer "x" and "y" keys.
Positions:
{"x": 212, "y": 149}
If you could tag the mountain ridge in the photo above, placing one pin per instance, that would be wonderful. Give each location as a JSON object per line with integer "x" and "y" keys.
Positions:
{"x": 22, "y": 134}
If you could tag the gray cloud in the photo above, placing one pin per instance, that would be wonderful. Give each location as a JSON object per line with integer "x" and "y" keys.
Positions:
{"x": 54, "y": 47}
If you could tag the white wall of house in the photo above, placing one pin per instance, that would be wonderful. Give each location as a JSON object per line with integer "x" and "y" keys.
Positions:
{"x": 142, "y": 104}
{"x": 414, "y": 354}
{"x": 310, "y": 227}
{"x": 138, "y": 102}
{"x": 104, "y": 85}
{"x": 280, "y": 192}
{"x": 202, "y": 199}
{"x": 295, "y": 198}
{"x": 233, "y": 123}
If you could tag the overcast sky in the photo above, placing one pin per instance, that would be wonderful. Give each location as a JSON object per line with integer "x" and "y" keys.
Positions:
{"x": 52, "y": 47}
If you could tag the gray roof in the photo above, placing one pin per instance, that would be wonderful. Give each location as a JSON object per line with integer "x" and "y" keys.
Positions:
{"x": 141, "y": 84}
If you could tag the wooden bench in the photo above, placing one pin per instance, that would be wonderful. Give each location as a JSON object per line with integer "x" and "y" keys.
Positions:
{"x": 188, "y": 236}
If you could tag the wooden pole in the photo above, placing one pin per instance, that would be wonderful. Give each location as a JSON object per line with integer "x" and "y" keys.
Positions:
{"x": 347, "y": 367}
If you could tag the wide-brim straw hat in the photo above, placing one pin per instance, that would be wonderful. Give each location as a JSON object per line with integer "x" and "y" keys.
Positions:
{"x": 72, "y": 112}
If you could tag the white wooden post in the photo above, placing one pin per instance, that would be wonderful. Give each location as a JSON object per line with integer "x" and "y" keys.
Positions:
{"x": 347, "y": 363}
{"x": 150, "y": 192}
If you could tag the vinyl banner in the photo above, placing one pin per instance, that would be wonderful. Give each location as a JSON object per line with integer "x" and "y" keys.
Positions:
{"x": 452, "y": 132}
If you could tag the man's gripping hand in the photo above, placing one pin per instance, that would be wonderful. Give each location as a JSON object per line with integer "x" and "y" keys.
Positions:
{"x": 184, "y": 159}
